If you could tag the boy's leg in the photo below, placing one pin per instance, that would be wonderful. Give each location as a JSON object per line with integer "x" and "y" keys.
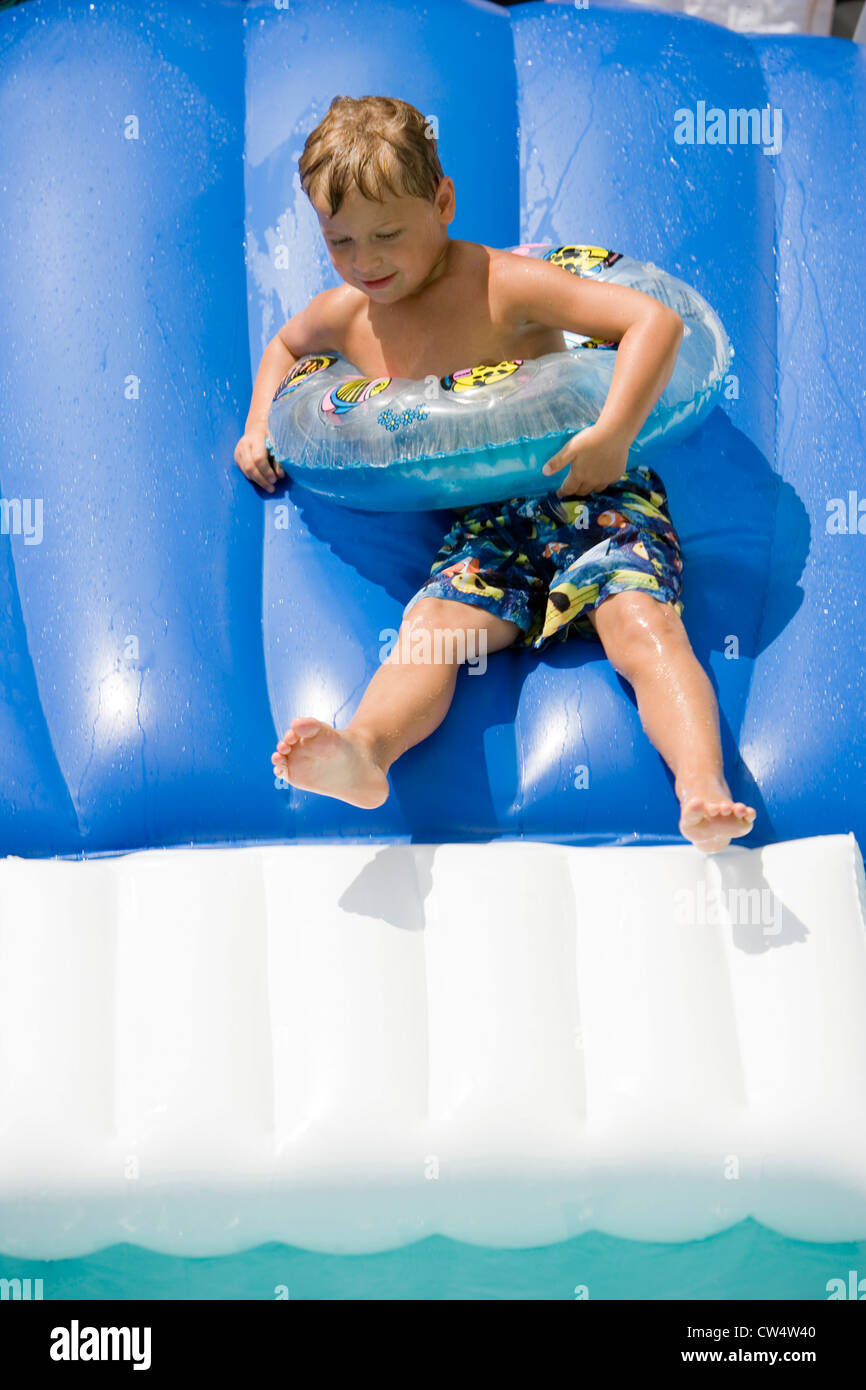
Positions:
{"x": 647, "y": 644}
{"x": 406, "y": 699}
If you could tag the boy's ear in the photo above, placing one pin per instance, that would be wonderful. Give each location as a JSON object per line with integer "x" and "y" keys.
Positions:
{"x": 446, "y": 199}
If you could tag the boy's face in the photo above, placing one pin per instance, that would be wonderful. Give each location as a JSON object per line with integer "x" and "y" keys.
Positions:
{"x": 387, "y": 249}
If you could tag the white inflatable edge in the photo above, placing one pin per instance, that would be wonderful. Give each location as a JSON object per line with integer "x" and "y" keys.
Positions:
{"x": 348, "y": 1047}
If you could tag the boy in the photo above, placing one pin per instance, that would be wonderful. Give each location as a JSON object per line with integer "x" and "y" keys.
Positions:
{"x": 415, "y": 304}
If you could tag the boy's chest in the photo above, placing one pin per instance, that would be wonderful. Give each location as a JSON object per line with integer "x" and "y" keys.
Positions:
{"x": 431, "y": 339}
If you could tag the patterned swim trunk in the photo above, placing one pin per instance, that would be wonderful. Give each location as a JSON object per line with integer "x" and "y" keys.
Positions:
{"x": 545, "y": 562}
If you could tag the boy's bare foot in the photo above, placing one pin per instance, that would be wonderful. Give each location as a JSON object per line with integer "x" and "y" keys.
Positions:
{"x": 709, "y": 818}
{"x": 316, "y": 758}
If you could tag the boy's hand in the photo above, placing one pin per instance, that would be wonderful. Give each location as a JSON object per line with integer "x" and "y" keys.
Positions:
{"x": 255, "y": 460}
{"x": 596, "y": 458}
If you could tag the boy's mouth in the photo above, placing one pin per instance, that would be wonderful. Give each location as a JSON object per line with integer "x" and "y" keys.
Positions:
{"x": 378, "y": 284}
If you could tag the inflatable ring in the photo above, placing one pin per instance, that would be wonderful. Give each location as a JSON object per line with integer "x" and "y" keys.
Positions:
{"x": 484, "y": 433}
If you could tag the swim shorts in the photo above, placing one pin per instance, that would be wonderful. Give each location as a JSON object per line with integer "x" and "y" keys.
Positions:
{"x": 545, "y": 562}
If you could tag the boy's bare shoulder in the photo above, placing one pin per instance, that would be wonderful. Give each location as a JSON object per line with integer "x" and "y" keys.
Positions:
{"x": 510, "y": 280}
{"x": 504, "y": 268}
{"x": 474, "y": 258}
{"x": 508, "y": 269}
{"x": 322, "y": 323}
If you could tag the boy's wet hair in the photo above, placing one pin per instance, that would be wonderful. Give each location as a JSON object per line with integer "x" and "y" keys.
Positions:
{"x": 377, "y": 143}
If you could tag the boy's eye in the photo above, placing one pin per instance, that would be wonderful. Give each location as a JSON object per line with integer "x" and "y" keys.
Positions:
{"x": 384, "y": 236}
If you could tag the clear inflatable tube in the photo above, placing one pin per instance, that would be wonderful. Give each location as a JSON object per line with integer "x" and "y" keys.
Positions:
{"x": 484, "y": 433}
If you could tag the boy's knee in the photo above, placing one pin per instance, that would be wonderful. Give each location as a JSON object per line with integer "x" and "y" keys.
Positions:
{"x": 435, "y": 613}
{"x": 633, "y": 628}
{"x": 457, "y": 633}
{"x": 433, "y": 632}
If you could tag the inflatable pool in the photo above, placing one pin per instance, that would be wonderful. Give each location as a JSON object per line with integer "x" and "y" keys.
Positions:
{"x": 511, "y": 1004}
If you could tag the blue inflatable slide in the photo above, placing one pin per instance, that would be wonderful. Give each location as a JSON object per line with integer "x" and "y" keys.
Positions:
{"x": 163, "y": 620}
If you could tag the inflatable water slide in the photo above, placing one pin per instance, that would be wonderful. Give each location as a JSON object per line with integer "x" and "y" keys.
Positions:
{"x": 512, "y": 1004}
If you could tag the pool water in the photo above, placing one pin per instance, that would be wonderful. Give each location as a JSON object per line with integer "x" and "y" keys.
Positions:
{"x": 747, "y": 1262}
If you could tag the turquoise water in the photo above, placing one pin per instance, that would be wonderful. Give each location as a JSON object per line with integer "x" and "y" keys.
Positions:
{"x": 746, "y": 1262}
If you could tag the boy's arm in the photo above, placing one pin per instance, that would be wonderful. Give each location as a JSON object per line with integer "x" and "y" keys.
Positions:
{"x": 318, "y": 326}
{"x": 527, "y": 291}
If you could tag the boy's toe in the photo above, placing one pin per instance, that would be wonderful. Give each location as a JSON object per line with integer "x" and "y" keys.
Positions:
{"x": 305, "y": 726}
